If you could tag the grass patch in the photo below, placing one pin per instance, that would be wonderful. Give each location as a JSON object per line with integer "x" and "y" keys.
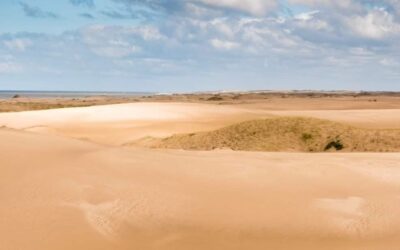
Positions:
{"x": 305, "y": 137}
{"x": 215, "y": 98}
{"x": 289, "y": 134}
{"x": 336, "y": 144}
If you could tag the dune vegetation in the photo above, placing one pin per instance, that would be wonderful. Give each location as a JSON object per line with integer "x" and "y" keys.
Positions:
{"x": 297, "y": 134}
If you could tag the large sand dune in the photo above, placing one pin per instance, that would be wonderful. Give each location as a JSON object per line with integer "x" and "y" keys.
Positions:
{"x": 287, "y": 134}
{"x": 122, "y": 124}
{"x": 64, "y": 194}
{"x": 57, "y": 192}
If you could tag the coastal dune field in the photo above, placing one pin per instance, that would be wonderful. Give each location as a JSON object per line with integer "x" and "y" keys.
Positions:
{"x": 85, "y": 178}
{"x": 123, "y": 124}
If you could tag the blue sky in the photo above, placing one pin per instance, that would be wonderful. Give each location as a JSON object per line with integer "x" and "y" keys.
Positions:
{"x": 195, "y": 45}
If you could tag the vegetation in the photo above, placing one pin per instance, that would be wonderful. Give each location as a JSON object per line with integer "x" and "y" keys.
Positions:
{"x": 306, "y": 137}
{"x": 215, "y": 98}
{"x": 294, "y": 134}
{"x": 336, "y": 144}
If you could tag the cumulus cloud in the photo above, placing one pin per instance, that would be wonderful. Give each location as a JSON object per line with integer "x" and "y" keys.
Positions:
{"x": 390, "y": 62}
{"x": 224, "y": 45}
{"x": 306, "y": 16}
{"x": 18, "y": 44}
{"x": 9, "y": 68}
{"x": 105, "y": 44}
{"x": 208, "y": 37}
{"x": 376, "y": 24}
{"x": 118, "y": 42}
{"x": 116, "y": 49}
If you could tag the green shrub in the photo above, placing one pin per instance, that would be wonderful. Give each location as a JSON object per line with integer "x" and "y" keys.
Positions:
{"x": 306, "y": 136}
{"x": 215, "y": 98}
{"x": 336, "y": 144}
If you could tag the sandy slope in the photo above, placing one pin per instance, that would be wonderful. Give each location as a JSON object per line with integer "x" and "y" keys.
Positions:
{"x": 63, "y": 194}
{"x": 122, "y": 124}
{"x": 373, "y": 118}
{"x": 287, "y": 134}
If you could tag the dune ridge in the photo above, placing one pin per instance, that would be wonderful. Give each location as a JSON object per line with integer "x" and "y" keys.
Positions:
{"x": 298, "y": 134}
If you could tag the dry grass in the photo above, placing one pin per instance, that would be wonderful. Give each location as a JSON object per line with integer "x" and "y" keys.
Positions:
{"x": 28, "y": 104}
{"x": 291, "y": 100}
{"x": 289, "y": 134}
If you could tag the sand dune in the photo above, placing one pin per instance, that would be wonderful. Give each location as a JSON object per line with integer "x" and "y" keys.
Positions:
{"x": 64, "y": 194}
{"x": 57, "y": 192}
{"x": 287, "y": 134}
{"x": 122, "y": 124}
{"x": 373, "y": 118}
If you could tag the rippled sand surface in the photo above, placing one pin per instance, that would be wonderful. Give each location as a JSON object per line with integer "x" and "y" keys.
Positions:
{"x": 58, "y": 191}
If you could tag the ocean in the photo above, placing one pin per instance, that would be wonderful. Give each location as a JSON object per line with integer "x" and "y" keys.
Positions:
{"x": 5, "y": 94}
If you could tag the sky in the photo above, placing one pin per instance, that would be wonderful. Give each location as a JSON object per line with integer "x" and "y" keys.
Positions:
{"x": 199, "y": 45}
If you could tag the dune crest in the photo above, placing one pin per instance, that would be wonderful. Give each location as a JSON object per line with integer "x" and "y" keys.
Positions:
{"x": 289, "y": 134}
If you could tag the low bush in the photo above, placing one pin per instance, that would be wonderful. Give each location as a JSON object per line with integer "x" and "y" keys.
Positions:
{"x": 336, "y": 144}
{"x": 215, "y": 98}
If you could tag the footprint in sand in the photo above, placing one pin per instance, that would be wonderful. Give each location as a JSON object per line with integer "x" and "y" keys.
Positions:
{"x": 101, "y": 217}
{"x": 345, "y": 214}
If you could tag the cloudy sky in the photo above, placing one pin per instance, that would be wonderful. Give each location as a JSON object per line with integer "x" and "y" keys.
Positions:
{"x": 193, "y": 45}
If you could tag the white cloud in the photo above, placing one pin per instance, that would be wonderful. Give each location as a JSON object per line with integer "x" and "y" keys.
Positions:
{"x": 116, "y": 51}
{"x": 389, "y": 62}
{"x": 221, "y": 25}
{"x": 306, "y": 16}
{"x": 377, "y": 24}
{"x": 255, "y": 7}
{"x": 9, "y": 67}
{"x": 311, "y": 20}
{"x": 224, "y": 45}
{"x": 325, "y": 36}
{"x": 263, "y": 37}
{"x": 396, "y": 5}
{"x": 148, "y": 33}
{"x": 18, "y": 44}
{"x": 359, "y": 51}
{"x": 117, "y": 42}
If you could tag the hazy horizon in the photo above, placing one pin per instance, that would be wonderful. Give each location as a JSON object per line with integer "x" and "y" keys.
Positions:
{"x": 17, "y": 91}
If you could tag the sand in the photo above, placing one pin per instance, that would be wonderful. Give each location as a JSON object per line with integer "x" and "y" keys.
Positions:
{"x": 123, "y": 123}
{"x": 58, "y": 191}
{"x": 374, "y": 119}
{"x": 286, "y": 134}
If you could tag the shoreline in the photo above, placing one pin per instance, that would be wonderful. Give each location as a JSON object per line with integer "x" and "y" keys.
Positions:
{"x": 291, "y": 100}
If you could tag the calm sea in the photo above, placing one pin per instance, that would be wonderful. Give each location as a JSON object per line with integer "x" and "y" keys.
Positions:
{"x": 4, "y": 94}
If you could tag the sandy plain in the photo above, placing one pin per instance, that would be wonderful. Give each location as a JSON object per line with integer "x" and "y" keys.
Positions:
{"x": 72, "y": 179}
